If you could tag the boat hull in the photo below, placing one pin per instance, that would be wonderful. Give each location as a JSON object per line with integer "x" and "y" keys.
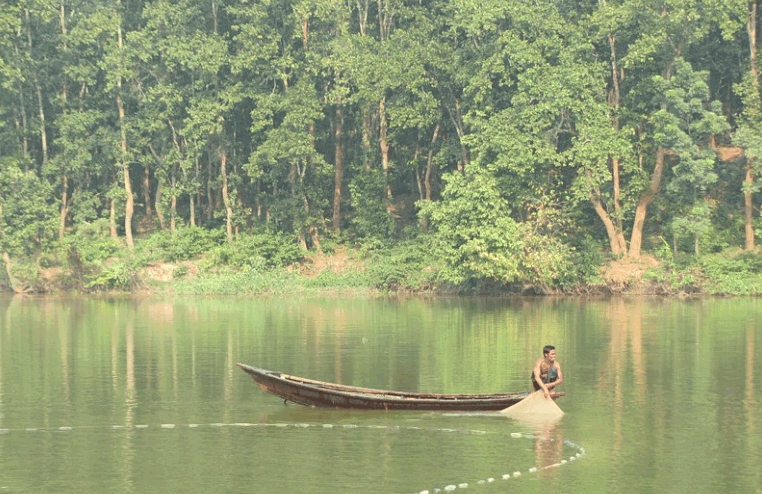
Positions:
{"x": 322, "y": 394}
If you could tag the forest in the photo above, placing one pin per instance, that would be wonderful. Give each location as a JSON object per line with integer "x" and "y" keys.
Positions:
{"x": 447, "y": 145}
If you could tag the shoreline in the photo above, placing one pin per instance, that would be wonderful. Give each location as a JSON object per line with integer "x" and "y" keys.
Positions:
{"x": 344, "y": 274}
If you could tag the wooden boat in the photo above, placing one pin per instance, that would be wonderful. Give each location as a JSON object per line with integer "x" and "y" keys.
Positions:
{"x": 322, "y": 394}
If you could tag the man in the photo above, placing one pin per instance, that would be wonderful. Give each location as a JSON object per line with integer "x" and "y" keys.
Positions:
{"x": 547, "y": 371}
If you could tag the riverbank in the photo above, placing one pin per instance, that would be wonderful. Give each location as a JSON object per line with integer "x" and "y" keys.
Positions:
{"x": 200, "y": 261}
{"x": 352, "y": 272}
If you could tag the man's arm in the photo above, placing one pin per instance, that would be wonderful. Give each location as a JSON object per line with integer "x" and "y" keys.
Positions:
{"x": 537, "y": 378}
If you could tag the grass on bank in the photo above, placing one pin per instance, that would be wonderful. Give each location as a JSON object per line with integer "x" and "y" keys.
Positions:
{"x": 200, "y": 261}
{"x": 406, "y": 266}
{"x": 730, "y": 272}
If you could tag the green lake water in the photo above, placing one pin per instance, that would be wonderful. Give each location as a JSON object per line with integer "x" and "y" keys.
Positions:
{"x": 135, "y": 395}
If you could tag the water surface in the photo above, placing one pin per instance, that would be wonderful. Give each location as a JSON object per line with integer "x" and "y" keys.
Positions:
{"x": 143, "y": 395}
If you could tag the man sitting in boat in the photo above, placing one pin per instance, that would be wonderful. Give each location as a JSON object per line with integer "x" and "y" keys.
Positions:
{"x": 547, "y": 371}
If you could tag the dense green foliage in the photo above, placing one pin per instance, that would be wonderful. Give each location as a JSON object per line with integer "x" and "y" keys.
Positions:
{"x": 449, "y": 145}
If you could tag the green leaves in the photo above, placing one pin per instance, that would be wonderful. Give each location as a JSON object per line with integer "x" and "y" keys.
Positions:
{"x": 552, "y": 113}
{"x": 482, "y": 242}
{"x": 27, "y": 214}
{"x": 474, "y": 224}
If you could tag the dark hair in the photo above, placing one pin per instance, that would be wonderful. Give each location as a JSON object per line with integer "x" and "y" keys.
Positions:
{"x": 547, "y": 348}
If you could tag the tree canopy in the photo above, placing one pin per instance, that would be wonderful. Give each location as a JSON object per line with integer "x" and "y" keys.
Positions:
{"x": 517, "y": 134}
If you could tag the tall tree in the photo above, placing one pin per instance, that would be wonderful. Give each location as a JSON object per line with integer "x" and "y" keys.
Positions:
{"x": 644, "y": 40}
{"x": 116, "y": 68}
{"x": 284, "y": 118}
{"x": 749, "y": 133}
{"x": 64, "y": 104}
{"x": 87, "y": 139}
{"x": 687, "y": 122}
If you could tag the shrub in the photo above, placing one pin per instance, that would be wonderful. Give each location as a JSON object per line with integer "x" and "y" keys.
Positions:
{"x": 329, "y": 279}
{"x": 257, "y": 251}
{"x": 119, "y": 274}
{"x": 180, "y": 272}
{"x": 737, "y": 285}
{"x": 184, "y": 244}
{"x": 28, "y": 216}
{"x": 586, "y": 258}
{"x": 86, "y": 251}
{"x": 408, "y": 265}
{"x": 484, "y": 246}
{"x": 733, "y": 272}
{"x": 90, "y": 244}
{"x": 235, "y": 282}
{"x": 724, "y": 263}
{"x": 479, "y": 239}
{"x": 370, "y": 218}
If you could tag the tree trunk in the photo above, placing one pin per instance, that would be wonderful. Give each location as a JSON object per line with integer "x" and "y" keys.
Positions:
{"x": 612, "y": 222}
{"x": 430, "y": 164}
{"x": 294, "y": 175}
{"x": 617, "y": 242}
{"x": 363, "y": 7}
{"x": 43, "y": 132}
{"x": 15, "y": 285}
{"x": 338, "y": 175}
{"x": 192, "y": 207}
{"x": 112, "y": 219}
{"x": 748, "y": 200}
{"x": 64, "y": 206}
{"x": 64, "y": 96}
{"x": 418, "y": 179}
{"x": 7, "y": 258}
{"x": 315, "y": 235}
{"x": 384, "y": 145}
{"x": 157, "y": 205}
{"x": 457, "y": 121}
{"x": 147, "y": 190}
{"x": 367, "y": 120}
{"x": 636, "y": 239}
{"x": 173, "y": 202}
{"x": 615, "y": 100}
{"x": 209, "y": 211}
{"x": 225, "y": 197}
{"x": 38, "y": 90}
{"x": 616, "y": 237}
{"x": 129, "y": 206}
{"x": 192, "y": 199}
{"x": 385, "y": 16}
{"x": 615, "y": 176}
{"x": 23, "y": 125}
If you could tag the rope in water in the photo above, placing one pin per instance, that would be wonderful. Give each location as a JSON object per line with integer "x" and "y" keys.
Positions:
{"x": 580, "y": 451}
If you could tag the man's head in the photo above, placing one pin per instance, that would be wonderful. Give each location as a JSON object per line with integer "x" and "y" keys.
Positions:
{"x": 549, "y": 352}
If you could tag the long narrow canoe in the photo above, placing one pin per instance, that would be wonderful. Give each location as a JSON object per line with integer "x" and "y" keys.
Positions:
{"x": 322, "y": 394}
